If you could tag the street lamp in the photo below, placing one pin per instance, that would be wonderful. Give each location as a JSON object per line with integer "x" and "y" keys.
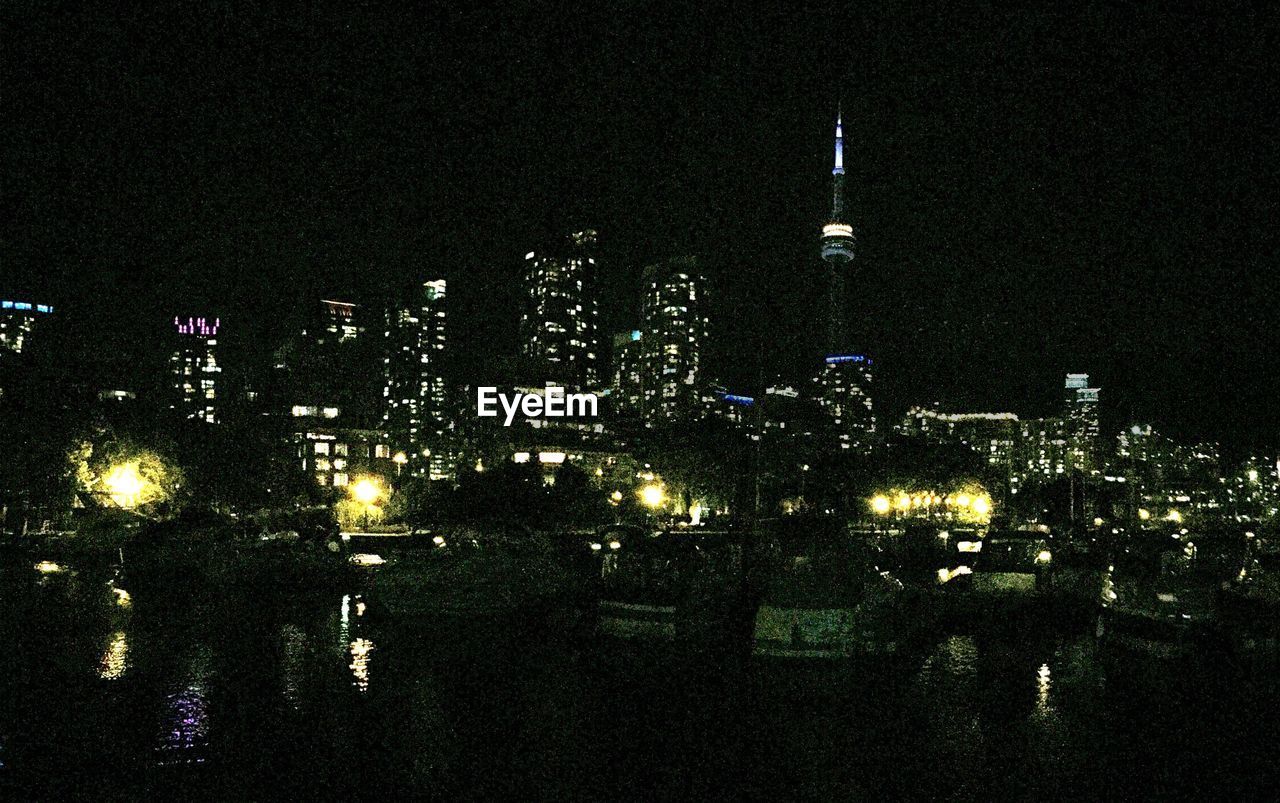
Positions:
{"x": 125, "y": 485}
{"x": 653, "y": 496}
{"x": 400, "y": 459}
{"x": 367, "y": 491}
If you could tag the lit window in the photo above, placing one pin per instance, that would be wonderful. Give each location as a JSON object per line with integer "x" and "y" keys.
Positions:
{"x": 322, "y": 447}
{"x": 339, "y": 480}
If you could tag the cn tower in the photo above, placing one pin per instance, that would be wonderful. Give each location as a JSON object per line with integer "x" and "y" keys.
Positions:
{"x": 837, "y": 252}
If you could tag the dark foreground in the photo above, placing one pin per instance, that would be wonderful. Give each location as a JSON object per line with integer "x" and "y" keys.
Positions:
{"x": 255, "y": 693}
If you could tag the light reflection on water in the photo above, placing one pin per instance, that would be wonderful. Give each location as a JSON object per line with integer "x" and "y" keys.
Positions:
{"x": 293, "y": 646}
{"x": 953, "y": 666}
{"x": 115, "y": 659}
{"x": 1043, "y": 684}
{"x": 361, "y": 650}
{"x": 344, "y": 621}
{"x": 184, "y": 732}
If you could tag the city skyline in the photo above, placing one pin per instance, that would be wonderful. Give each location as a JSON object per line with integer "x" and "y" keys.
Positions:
{"x": 988, "y": 268}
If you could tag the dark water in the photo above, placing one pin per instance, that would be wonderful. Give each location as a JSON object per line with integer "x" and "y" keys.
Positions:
{"x": 259, "y": 694}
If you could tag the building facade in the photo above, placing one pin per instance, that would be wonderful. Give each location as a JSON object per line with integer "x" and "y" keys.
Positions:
{"x": 18, "y": 319}
{"x": 194, "y": 368}
{"x": 336, "y": 322}
{"x": 626, "y": 392}
{"x": 995, "y": 436}
{"x": 416, "y": 410}
{"x": 842, "y": 388}
{"x": 673, "y": 334}
{"x": 559, "y": 325}
{"x": 1080, "y": 421}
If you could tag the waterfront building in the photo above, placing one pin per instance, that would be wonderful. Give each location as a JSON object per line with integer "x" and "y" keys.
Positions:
{"x": 18, "y": 319}
{"x": 842, "y": 389}
{"x": 673, "y": 333}
{"x": 416, "y": 410}
{"x": 1080, "y": 420}
{"x": 335, "y": 322}
{"x": 559, "y": 324}
{"x": 194, "y": 368}
{"x": 626, "y": 392}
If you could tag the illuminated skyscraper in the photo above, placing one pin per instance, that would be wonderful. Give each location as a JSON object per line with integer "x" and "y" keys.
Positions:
{"x": 415, "y": 408}
{"x": 336, "y": 322}
{"x": 673, "y": 333}
{"x": 195, "y": 369}
{"x": 17, "y": 320}
{"x": 627, "y": 391}
{"x": 559, "y": 327}
{"x": 843, "y": 391}
{"x": 1081, "y": 423}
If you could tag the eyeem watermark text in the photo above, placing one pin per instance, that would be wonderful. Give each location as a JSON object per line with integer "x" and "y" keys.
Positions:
{"x": 552, "y": 403}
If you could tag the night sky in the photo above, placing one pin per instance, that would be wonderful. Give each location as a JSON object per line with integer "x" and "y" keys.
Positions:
{"x": 1084, "y": 190}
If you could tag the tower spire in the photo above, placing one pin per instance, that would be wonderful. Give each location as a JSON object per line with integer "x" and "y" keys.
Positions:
{"x": 839, "y": 169}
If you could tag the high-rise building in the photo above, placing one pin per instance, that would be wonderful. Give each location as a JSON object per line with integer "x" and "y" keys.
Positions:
{"x": 559, "y": 325}
{"x": 17, "y": 320}
{"x": 194, "y": 368}
{"x": 842, "y": 388}
{"x": 1161, "y": 475}
{"x": 1042, "y": 452}
{"x": 335, "y": 322}
{"x": 415, "y": 399}
{"x": 673, "y": 333}
{"x": 1080, "y": 421}
{"x": 626, "y": 394}
{"x": 734, "y": 409}
{"x": 992, "y": 435}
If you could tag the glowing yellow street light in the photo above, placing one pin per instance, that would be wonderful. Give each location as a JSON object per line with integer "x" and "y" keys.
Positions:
{"x": 615, "y": 497}
{"x": 125, "y": 485}
{"x": 1143, "y": 513}
{"x": 904, "y": 501}
{"x": 1174, "y": 516}
{"x": 963, "y": 500}
{"x": 653, "y": 496}
{"x": 982, "y": 505}
{"x": 880, "y": 504}
{"x": 367, "y": 491}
